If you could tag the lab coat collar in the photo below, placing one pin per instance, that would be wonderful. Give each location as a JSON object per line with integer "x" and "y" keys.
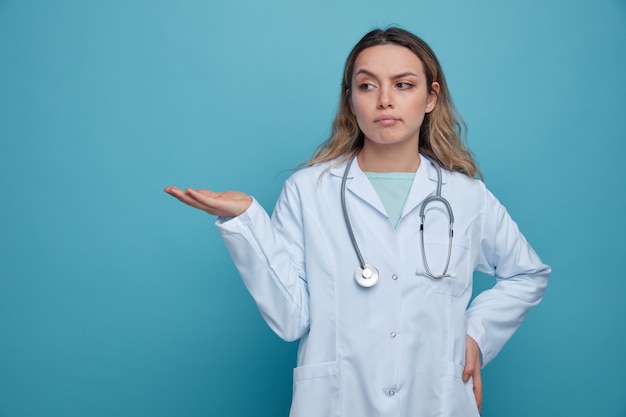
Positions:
{"x": 359, "y": 185}
{"x": 424, "y": 184}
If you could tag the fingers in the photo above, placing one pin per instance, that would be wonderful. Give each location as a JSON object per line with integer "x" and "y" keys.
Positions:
{"x": 172, "y": 190}
{"x": 202, "y": 196}
{"x": 472, "y": 369}
{"x": 471, "y": 359}
{"x": 478, "y": 388}
{"x": 206, "y": 193}
{"x": 182, "y": 196}
{"x": 206, "y": 200}
{"x": 189, "y": 197}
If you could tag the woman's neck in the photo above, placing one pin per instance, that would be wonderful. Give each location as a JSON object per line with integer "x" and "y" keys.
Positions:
{"x": 388, "y": 158}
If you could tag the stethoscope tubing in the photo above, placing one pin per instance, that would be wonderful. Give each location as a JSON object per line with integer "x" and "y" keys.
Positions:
{"x": 346, "y": 217}
{"x": 450, "y": 233}
{"x": 366, "y": 275}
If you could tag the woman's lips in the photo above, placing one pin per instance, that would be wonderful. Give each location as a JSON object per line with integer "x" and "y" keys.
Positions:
{"x": 386, "y": 120}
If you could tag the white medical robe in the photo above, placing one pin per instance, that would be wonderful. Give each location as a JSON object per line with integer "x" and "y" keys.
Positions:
{"x": 398, "y": 348}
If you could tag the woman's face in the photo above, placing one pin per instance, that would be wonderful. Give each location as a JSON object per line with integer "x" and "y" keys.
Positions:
{"x": 390, "y": 96}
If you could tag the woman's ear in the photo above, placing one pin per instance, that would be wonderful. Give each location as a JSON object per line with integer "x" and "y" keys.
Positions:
{"x": 432, "y": 97}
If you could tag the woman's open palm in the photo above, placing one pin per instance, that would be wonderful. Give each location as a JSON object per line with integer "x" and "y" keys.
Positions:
{"x": 224, "y": 204}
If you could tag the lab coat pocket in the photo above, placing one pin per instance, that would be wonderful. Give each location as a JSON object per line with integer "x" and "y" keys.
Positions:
{"x": 436, "y": 249}
{"x": 316, "y": 391}
{"x": 458, "y": 396}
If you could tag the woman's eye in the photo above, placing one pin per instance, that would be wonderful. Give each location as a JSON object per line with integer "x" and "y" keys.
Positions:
{"x": 404, "y": 85}
{"x": 365, "y": 86}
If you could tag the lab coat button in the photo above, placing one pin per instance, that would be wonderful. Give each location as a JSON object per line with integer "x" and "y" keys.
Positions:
{"x": 392, "y": 393}
{"x": 394, "y": 277}
{"x": 392, "y": 334}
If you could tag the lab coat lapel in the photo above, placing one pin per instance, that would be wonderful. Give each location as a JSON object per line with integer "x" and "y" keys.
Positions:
{"x": 424, "y": 185}
{"x": 359, "y": 185}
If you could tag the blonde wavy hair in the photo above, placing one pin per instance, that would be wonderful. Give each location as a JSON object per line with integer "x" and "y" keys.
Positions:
{"x": 441, "y": 133}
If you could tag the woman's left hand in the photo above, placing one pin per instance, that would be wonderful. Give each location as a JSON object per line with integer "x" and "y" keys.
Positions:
{"x": 472, "y": 369}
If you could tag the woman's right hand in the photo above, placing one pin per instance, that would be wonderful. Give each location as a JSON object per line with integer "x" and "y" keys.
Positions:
{"x": 223, "y": 204}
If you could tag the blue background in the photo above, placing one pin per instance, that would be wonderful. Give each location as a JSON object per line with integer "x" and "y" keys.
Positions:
{"x": 115, "y": 299}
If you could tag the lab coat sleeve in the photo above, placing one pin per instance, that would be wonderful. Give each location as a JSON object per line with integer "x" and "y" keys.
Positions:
{"x": 521, "y": 280}
{"x": 268, "y": 254}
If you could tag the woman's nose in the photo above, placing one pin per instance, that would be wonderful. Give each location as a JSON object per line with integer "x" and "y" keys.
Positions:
{"x": 384, "y": 99}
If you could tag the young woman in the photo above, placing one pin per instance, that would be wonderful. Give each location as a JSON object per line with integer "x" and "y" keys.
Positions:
{"x": 360, "y": 261}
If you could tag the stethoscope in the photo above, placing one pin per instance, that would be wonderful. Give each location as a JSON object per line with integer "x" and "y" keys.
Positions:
{"x": 367, "y": 275}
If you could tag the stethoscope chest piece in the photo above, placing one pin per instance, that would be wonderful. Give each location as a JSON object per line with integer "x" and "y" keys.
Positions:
{"x": 366, "y": 277}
